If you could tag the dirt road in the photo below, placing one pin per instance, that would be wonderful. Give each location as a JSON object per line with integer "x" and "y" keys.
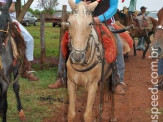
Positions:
{"x": 135, "y": 106}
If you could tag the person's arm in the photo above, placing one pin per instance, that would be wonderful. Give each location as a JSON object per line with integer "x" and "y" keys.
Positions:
{"x": 110, "y": 12}
{"x": 12, "y": 8}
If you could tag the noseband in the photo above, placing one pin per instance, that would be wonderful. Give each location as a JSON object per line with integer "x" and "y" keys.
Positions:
{"x": 83, "y": 52}
{"x": 6, "y": 30}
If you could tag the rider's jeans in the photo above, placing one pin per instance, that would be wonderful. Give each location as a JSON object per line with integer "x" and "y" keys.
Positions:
{"x": 141, "y": 43}
{"x": 160, "y": 66}
{"x": 120, "y": 58}
{"x": 61, "y": 73}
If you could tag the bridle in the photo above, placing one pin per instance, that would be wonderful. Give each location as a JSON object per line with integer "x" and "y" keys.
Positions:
{"x": 6, "y": 30}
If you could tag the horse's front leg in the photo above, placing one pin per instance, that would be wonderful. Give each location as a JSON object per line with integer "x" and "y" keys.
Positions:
{"x": 16, "y": 88}
{"x": 72, "y": 98}
{"x": 134, "y": 45}
{"x": 148, "y": 43}
{"x": 3, "y": 101}
{"x": 92, "y": 89}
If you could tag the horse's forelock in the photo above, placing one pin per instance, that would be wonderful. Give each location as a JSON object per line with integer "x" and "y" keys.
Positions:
{"x": 82, "y": 9}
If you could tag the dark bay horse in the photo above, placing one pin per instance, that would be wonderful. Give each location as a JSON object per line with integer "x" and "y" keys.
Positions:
{"x": 127, "y": 20}
{"x": 158, "y": 36}
{"x": 8, "y": 57}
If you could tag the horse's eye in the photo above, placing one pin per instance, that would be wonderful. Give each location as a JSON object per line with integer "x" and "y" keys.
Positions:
{"x": 90, "y": 23}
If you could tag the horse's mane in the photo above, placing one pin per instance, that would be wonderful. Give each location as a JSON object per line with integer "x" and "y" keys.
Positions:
{"x": 121, "y": 15}
{"x": 19, "y": 40}
{"x": 81, "y": 10}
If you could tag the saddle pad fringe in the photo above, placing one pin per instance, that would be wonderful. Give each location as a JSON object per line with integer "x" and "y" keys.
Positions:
{"x": 14, "y": 48}
{"x": 124, "y": 35}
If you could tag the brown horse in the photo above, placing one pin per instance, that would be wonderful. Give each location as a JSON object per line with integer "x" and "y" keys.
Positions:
{"x": 84, "y": 65}
{"x": 158, "y": 36}
{"x": 127, "y": 20}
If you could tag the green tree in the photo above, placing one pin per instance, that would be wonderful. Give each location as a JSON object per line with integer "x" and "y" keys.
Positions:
{"x": 48, "y": 5}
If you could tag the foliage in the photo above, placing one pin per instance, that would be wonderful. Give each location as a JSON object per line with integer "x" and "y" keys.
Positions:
{"x": 48, "y": 5}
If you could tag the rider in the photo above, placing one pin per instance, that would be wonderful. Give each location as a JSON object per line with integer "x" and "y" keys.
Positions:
{"x": 132, "y": 6}
{"x": 29, "y": 44}
{"x": 141, "y": 41}
{"x": 103, "y": 12}
{"x": 160, "y": 73}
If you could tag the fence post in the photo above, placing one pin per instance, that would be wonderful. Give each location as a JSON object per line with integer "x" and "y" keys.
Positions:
{"x": 42, "y": 38}
{"x": 64, "y": 19}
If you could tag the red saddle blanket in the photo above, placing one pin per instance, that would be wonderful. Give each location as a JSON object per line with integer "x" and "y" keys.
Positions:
{"x": 107, "y": 38}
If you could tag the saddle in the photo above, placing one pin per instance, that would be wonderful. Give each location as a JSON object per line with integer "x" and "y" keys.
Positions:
{"x": 106, "y": 37}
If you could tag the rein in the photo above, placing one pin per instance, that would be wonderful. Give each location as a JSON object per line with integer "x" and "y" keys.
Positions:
{"x": 6, "y": 30}
{"x": 11, "y": 69}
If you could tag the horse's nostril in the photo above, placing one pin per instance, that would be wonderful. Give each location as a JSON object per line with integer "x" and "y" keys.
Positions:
{"x": 77, "y": 56}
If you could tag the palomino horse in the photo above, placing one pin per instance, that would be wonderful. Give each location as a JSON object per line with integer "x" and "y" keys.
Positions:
{"x": 8, "y": 56}
{"x": 127, "y": 19}
{"x": 158, "y": 36}
{"x": 84, "y": 65}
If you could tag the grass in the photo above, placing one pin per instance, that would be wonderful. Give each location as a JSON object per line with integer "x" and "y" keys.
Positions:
{"x": 52, "y": 35}
{"x": 38, "y": 101}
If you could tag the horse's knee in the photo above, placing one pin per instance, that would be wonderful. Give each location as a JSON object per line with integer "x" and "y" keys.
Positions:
{"x": 16, "y": 87}
{"x": 71, "y": 116}
{"x": 88, "y": 117}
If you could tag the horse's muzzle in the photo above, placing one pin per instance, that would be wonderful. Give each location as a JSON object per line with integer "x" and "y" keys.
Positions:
{"x": 77, "y": 57}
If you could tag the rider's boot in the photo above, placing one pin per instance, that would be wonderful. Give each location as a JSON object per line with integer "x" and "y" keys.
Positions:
{"x": 27, "y": 71}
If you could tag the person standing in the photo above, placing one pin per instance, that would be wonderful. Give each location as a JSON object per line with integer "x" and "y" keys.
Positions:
{"x": 141, "y": 40}
{"x": 132, "y": 6}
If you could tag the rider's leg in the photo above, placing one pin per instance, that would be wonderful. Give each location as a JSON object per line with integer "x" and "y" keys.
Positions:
{"x": 61, "y": 74}
{"x": 160, "y": 73}
{"x": 120, "y": 67}
{"x": 29, "y": 51}
{"x": 141, "y": 44}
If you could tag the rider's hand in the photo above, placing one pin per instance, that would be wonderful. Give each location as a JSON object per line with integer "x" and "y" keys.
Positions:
{"x": 88, "y": 2}
{"x": 96, "y": 20}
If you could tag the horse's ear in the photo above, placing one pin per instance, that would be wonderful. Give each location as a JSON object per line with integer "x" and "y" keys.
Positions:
{"x": 92, "y": 6}
{"x": 8, "y": 4}
{"x": 72, "y": 4}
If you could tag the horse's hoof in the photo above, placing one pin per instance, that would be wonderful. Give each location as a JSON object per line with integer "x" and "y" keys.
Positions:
{"x": 113, "y": 119}
{"x": 21, "y": 115}
{"x": 126, "y": 60}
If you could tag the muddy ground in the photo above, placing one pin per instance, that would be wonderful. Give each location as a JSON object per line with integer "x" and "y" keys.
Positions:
{"x": 135, "y": 106}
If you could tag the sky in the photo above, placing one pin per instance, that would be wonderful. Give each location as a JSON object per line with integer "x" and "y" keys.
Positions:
{"x": 152, "y": 5}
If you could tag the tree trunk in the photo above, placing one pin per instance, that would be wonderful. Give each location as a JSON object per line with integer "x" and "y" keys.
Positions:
{"x": 24, "y": 10}
{"x": 42, "y": 37}
{"x": 18, "y": 8}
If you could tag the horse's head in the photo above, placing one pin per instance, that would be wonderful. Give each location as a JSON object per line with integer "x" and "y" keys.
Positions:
{"x": 4, "y": 21}
{"x": 158, "y": 37}
{"x": 80, "y": 24}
